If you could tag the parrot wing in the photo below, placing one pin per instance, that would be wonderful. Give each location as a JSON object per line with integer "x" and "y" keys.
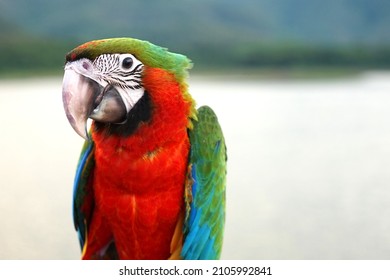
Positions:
{"x": 83, "y": 201}
{"x": 205, "y": 189}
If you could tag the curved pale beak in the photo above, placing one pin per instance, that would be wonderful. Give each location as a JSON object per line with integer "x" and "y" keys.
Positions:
{"x": 84, "y": 98}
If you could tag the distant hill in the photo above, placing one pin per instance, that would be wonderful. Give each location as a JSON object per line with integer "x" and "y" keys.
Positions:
{"x": 217, "y": 32}
{"x": 24, "y": 53}
{"x": 204, "y": 21}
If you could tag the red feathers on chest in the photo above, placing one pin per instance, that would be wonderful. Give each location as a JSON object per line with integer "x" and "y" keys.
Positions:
{"x": 139, "y": 179}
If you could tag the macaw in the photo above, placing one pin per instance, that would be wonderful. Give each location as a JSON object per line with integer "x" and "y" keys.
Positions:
{"x": 150, "y": 181}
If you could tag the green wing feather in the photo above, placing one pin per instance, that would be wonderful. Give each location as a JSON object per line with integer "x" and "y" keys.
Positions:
{"x": 205, "y": 189}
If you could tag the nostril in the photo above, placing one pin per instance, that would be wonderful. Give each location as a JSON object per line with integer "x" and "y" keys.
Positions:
{"x": 86, "y": 65}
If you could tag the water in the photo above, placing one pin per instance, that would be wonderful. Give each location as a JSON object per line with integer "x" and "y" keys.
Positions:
{"x": 308, "y": 170}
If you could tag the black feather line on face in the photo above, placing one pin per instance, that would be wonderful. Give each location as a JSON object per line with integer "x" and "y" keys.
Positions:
{"x": 140, "y": 113}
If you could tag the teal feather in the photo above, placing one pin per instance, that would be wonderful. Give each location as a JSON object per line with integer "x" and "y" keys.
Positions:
{"x": 82, "y": 190}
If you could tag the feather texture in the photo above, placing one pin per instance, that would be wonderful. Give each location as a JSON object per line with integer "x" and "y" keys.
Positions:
{"x": 205, "y": 193}
{"x": 205, "y": 198}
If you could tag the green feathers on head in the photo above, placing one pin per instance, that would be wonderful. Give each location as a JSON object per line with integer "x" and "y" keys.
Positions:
{"x": 150, "y": 54}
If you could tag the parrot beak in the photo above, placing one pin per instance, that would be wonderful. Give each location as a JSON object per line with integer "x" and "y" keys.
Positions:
{"x": 84, "y": 97}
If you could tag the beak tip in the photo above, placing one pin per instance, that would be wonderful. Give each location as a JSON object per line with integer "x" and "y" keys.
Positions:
{"x": 86, "y": 136}
{"x": 80, "y": 126}
{"x": 82, "y": 131}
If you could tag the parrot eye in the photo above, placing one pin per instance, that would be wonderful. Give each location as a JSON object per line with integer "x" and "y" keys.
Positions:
{"x": 127, "y": 63}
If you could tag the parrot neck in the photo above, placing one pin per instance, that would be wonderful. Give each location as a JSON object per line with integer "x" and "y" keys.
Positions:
{"x": 161, "y": 116}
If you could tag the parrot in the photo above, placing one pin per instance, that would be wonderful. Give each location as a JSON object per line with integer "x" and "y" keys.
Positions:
{"x": 150, "y": 182}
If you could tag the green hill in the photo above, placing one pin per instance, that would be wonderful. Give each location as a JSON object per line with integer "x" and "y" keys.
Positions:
{"x": 23, "y": 53}
{"x": 214, "y": 33}
{"x": 309, "y": 21}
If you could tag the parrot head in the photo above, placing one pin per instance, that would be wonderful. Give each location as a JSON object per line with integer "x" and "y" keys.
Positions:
{"x": 104, "y": 79}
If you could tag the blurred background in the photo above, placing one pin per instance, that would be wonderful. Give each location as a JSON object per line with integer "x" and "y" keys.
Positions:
{"x": 302, "y": 91}
{"x": 214, "y": 33}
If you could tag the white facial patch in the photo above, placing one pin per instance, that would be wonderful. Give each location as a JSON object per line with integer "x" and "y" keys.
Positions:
{"x": 130, "y": 96}
{"x": 124, "y": 71}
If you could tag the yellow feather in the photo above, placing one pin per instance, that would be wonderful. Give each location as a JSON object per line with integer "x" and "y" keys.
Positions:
{"x": 177, "y": 239}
